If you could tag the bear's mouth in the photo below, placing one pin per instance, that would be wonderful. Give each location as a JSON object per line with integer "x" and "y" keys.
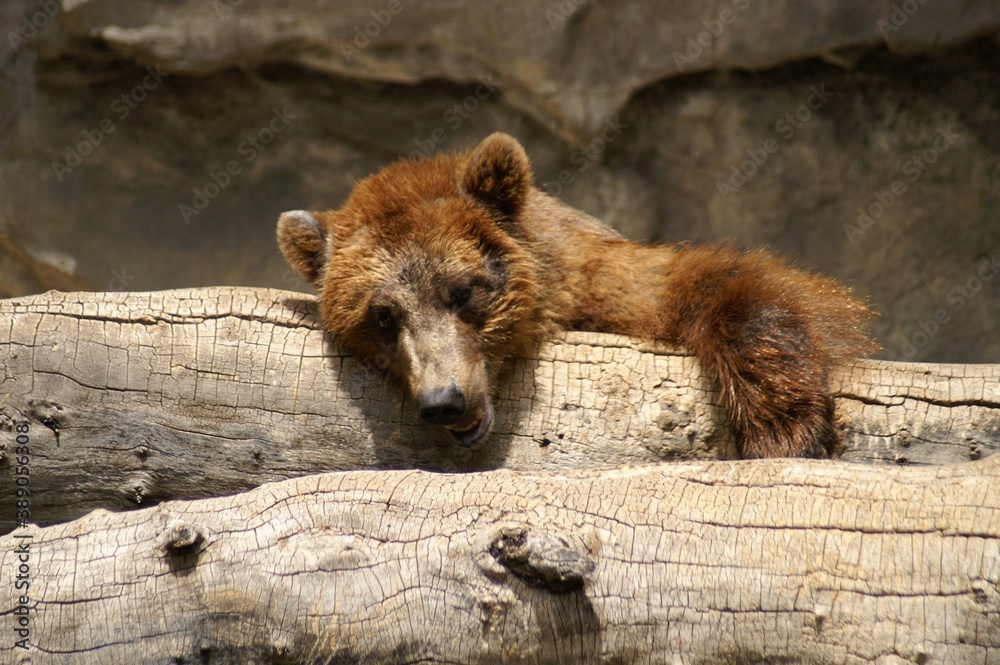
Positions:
{"x": 471, "y": 430}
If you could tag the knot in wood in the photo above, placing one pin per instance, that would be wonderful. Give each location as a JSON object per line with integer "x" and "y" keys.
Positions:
{"x": 49, "y": 414}
{"x": 181, "y": 537}
{"x": 542, "y": 560}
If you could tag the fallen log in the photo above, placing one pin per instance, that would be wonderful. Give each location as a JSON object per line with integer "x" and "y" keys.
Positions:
{"x": 775, "y": 561}
{"x": 136, "y": 398}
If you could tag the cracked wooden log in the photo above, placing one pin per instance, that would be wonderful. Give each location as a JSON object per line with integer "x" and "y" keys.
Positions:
{"x": 776, "y": 561}
{"x": 136, "y": 398}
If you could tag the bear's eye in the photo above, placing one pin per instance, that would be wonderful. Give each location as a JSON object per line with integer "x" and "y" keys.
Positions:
{"x": 460, "y": 295}
{"x": 385, "y": 320}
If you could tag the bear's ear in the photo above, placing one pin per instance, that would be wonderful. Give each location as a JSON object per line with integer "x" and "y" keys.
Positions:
{"x": 302, "y": 240}
{"x": 498, "y": 174}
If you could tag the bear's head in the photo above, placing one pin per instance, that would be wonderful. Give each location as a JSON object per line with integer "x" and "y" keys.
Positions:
{"x": 427, "y": 272}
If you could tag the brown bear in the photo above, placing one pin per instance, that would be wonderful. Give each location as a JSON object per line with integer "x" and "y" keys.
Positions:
{"x": 441, "y": 269}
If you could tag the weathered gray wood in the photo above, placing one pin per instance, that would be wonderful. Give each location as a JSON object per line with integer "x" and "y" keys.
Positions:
{"x": 786, "y": 561}
{"x": 134, "y": 398}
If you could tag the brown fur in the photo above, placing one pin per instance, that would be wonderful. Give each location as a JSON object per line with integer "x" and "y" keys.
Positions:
{"x": 439, "y": 270}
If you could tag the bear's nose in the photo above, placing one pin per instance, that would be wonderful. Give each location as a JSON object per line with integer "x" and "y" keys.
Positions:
{"x": 442, "y": 407}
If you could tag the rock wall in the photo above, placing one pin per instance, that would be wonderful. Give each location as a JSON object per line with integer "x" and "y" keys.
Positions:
{"x": 148, "y": 145}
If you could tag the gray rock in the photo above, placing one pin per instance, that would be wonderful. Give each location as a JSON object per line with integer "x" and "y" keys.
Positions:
{"x": 148, "y": 145}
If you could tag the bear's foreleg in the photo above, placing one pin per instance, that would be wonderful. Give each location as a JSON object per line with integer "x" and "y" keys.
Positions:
{"x": 757, "y": 327}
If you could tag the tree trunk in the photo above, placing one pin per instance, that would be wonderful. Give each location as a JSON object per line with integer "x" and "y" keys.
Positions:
{"x": 789, "y": 561}
{"x": 135, "y": 398}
